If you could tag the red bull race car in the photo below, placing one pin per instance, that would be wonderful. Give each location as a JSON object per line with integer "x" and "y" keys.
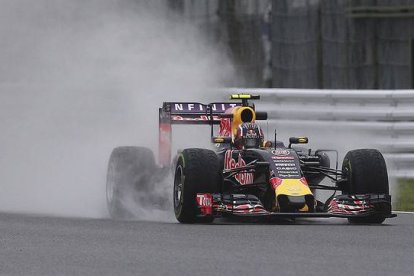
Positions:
{"x": 245, "y": 175}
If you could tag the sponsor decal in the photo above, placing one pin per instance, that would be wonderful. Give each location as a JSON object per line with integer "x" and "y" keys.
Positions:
{"x": 304, "y": 182}
{"x": 275, "y": 182}
{"x": 188, "y": 107}
{"x": 293, "y": 189}
{"x": 285, "y": 164}
{"x": 204, "y": 200}
{"x": 230, "y": 163}
{"x": 283, "y": 157}
{"x": 198, "y": 108}
{"x": 222, "y": 107}
{"x": 281, "y": 152}
{"x": 194, "y": 118}
{"x": 286, "y": 169}
{"x": 225, "y": 127}
{"x": 205, "y": 203}
{"x": 288, "y": 174}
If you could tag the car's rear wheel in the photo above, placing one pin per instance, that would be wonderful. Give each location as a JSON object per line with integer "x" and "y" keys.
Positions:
{"x": 197, "y": 171}
{"x": 365, "y": 172}
{"x": 130, "y": 170}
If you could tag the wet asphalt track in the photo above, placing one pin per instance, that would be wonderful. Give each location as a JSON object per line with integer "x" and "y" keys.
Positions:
{"x": 33, "y": 245}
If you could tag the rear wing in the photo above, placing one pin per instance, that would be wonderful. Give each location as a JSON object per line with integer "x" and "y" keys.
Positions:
{"x": 205, "y": 114}
{"x": 186, "y": 113}
{"x": 194, "y": 113}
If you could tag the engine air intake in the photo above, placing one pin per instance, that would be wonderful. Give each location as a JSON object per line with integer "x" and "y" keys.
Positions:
{"x": 247, "y": 115}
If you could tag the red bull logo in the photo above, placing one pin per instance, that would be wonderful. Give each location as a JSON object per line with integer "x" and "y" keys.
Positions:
{"x": 225, "y": 127}
{"x": 230, "y": 163}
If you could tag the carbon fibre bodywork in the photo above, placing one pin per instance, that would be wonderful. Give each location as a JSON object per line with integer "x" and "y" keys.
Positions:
{"x": 272, "y": 180}
{"x": 251, "y": 179}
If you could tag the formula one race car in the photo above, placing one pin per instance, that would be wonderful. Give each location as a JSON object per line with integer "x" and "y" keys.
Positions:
{"x": 247, "y": 176}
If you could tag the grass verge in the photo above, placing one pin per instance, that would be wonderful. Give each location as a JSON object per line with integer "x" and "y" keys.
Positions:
{"x": 405, "y": 195}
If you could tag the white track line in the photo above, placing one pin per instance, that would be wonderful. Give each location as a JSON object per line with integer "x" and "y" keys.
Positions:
{"x": 402, "y": 212}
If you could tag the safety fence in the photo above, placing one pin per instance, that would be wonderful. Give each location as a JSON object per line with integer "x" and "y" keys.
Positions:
{"x": 384, "y": 118}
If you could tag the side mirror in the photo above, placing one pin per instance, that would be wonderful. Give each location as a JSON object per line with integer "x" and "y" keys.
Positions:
{"x": 298, "y": 140}
{"x": 261, "y": 115}
{"x": 221, "y": 140}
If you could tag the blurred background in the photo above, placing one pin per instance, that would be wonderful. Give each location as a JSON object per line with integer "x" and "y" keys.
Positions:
{"x": 337, "y": 44}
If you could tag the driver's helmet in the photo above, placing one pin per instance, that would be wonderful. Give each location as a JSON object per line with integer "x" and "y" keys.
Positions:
{"x": 249, "y": 135}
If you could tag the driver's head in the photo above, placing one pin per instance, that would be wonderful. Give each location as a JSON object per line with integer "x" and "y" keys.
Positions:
{"x": 249, "y": 135}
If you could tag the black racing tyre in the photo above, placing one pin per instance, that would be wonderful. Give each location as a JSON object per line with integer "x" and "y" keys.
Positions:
{"x": 366, "y": 173}
{"x": 197, "y": 171}
{"x": 130, "y": 169}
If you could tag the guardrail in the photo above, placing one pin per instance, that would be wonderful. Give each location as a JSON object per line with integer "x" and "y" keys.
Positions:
{"x": 387, "y": 116}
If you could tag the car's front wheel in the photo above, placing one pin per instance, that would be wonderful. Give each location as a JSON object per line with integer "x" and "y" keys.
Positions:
{"x": 365, "y": 172}
{"x": 196, "y": 171}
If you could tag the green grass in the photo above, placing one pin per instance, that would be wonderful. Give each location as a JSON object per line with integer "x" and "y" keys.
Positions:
{"x": 405, "y": 195}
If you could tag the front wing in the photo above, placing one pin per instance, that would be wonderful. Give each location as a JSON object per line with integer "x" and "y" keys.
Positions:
{"x": 342, "y": 206}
